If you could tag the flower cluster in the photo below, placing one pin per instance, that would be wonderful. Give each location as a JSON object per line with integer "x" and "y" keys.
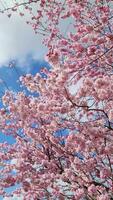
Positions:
{"x": 64, "y": 134}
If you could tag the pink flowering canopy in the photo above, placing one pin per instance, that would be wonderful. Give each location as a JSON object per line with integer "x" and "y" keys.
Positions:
{"x": 64, "y": 135}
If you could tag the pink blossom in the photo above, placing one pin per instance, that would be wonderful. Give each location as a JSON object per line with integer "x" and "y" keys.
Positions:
{"x": 92, "y": 189}
{"x": 63, "y": 132}
{"x": 105, "y": 173}
{"x": 104, "y": 197}
{"x": 79, "y": 194}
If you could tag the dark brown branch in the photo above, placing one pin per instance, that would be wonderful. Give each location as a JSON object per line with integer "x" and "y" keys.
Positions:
{"x": 101, "y": 55}
{"x": 19, "y": 5}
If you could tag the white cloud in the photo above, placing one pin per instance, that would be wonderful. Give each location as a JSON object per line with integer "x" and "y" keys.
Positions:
{"x": 17, "y": 40}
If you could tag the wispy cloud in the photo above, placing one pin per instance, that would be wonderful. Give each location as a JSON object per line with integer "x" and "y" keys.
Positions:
{"x": 17, "y": 40}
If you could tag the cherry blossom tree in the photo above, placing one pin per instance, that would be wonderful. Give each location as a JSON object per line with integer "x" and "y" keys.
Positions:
{"x": 64, "y": 136}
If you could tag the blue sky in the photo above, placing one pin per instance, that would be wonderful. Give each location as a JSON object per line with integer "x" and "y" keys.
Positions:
{"x": 10, "y": 77}
{"x": 19, "y": 43}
